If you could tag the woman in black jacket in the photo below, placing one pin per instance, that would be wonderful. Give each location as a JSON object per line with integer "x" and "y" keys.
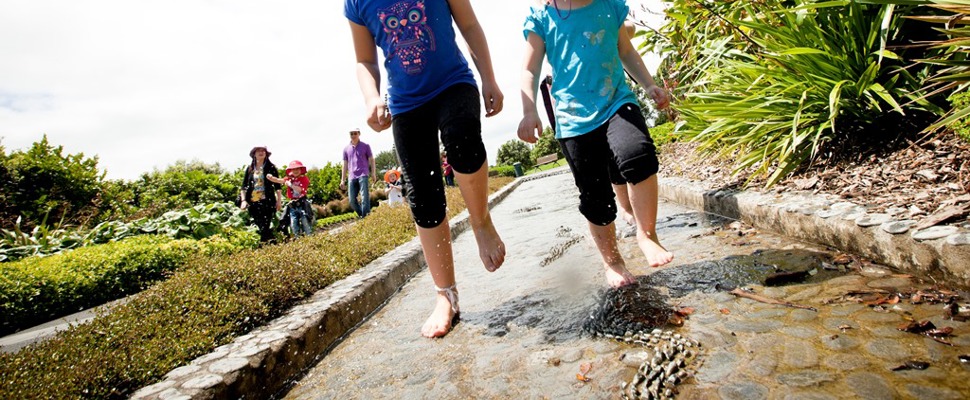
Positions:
{"x": 262, "y": 197}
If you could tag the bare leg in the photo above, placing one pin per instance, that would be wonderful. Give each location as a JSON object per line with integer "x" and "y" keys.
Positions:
{"x": 616, "y": 273}
{"x": 474, "y": 189}
{"x": 643, "y": 197}
{"x": 436, "y": 244}
{"x": 623, "y": 200}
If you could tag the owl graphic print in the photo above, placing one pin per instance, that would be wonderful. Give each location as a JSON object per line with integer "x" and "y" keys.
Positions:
{"x": 409, "y": 36}
{"x": 417, "y": 37}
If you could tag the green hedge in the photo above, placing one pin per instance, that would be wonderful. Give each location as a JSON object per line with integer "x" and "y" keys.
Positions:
{"x": 38, "y": 290}
{"x": 202, "y": 306}
{"x": 502, "y": 170}
{"x": 325, "y": 222}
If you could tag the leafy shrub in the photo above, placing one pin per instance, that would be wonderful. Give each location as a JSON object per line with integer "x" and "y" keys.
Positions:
{"x": 663, "y": 134}
{"x": 961, "y": 126}
{"x": 213, "y": 300}
{"x": 39, "y": 290}
{"x": 181, "y": 185}
{"x": 197, "y": 222}
{"x": 324, "y": 183}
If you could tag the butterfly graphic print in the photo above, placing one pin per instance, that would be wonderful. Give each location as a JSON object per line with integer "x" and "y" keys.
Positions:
{"x": 595, "y": 39}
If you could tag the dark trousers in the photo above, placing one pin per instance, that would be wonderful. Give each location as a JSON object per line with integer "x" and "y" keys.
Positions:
{"x": 618, "y": 152}
{"x": 262, "y": 212}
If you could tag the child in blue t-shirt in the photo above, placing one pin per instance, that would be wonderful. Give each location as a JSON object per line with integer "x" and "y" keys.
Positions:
{"x": 597, "y": 118}
{"x": 431, "y": 89}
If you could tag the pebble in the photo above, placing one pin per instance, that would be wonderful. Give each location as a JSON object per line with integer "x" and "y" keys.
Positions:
{"x": 897, "y": 227}
{"x": 828, "y": 213}
{"x": 854, "y": 214}
{"x": 958, "y": 239}
{"x": 844, "y": 206}
{"x": 895, "y": 210}
{"x": 866, "y": 221}
{"x": 935, "y": 232}
{"x": 745, "y": 390}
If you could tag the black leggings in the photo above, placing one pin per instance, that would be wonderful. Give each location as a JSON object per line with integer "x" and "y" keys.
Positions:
{"x": 620, "y": 150}
{"x": 456, "y": 112}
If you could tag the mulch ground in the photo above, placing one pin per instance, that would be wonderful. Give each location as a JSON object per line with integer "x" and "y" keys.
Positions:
{"x": 923, "y": 179}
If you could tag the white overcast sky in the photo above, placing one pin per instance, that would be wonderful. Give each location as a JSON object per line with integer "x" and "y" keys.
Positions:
{"x": 142, "y": 84}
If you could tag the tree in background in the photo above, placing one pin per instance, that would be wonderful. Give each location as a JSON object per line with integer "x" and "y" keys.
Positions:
{"x": 385, "y": 160}
{"x": 514, "y": 151}
{"x": 547, "y": 144}
{"x": 43, "y": 182}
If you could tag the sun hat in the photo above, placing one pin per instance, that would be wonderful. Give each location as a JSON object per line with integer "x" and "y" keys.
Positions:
{"x": 295, "y": 164}
{"x": 252, "y": 153}
{"x": 392, "y": 172}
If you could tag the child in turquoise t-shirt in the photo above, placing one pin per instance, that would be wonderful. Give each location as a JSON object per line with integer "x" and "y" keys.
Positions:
{"x": 597, "y": 118}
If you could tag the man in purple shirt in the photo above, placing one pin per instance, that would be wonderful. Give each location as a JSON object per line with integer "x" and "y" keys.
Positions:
{"x": 359, "y": 163}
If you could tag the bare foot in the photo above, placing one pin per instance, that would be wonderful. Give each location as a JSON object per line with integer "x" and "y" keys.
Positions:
{"x": 656, "y": 254}
{"x": 628, "y": 218}
{"x": 490, "y": 246}
{"x": 441, "y": 319}
{"x": 618, "y": 276}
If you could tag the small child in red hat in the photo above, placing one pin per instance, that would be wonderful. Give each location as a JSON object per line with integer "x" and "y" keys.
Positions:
{"x": 299, "y": 210}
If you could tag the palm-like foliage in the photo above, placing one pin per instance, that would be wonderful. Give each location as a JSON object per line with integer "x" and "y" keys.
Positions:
{"x": 954, "y": 76}
{"x": 771, "y": 82}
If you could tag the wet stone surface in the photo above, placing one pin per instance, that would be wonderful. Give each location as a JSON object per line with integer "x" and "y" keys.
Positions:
{"x": 522, "y": 332}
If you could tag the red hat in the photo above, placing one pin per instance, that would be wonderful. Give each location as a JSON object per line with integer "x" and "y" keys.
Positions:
{"x": 295, "y": 164}
{"x": 252, "y": 153}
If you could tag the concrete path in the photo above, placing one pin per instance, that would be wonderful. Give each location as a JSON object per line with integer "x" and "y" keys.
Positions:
{"x": 521, "y": 334}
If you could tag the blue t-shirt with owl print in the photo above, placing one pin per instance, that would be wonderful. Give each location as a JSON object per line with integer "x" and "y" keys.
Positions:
{"x": 420, "y": 53}
{"x": 588, "y": 83}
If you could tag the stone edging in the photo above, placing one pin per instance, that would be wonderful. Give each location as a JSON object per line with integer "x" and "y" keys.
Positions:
{"x": 939, "y": 252}
{"x": 262, "y": 362}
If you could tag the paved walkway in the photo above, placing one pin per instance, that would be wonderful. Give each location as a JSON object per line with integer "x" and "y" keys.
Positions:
{"x": 521, "y": 336}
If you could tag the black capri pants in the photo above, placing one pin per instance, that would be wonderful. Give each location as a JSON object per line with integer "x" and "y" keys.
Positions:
{"x": 456, "y": 113}
{"x": 620, "y": 151}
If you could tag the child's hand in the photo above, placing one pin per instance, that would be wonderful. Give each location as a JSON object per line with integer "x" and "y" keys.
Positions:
{"x": 378, "y": 116}
{"x": 530, "y": 128}
{"x": 493, "y": 98}
{"x": 659, "y": 96}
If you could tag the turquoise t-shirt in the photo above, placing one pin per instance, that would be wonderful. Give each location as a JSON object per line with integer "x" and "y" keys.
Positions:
{"x": 588, "y": 83}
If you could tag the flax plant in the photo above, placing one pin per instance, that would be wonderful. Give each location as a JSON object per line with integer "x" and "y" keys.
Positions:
{"x": 788, "y": 78}
{"x": 953, "y": 77}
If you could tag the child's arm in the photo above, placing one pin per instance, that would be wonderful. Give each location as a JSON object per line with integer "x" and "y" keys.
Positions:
{"x": 634, "y": 65}
{"x": 369, "y": 77}
{"x": 275, "y": 179}
{"x": 471, "y": 30}
{"x": 531, "y": 126}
